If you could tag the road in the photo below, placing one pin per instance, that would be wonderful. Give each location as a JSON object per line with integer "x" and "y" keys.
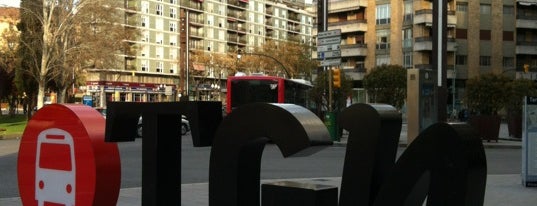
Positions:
{"x": 195, "y": 164}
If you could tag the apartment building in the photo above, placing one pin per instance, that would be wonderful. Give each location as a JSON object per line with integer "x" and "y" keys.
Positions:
{"x": 159, "y": 65}
{"x": 483, "y": 36}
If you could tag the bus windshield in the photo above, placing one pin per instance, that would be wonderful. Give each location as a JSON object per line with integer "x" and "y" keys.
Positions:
{"x": 253, "y": 90}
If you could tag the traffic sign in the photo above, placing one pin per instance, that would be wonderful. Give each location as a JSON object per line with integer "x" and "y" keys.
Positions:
{"x": 329, "y": 40}
{"x": 330, "y": 33}
{"x": 331, "y": 47}
{"x": 331, "y": 62}
{"x": 329, "y": 54}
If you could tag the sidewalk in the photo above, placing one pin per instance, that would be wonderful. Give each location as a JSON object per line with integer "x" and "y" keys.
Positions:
{"x": 501, "y": 190}
{"x": 504, "y": 141}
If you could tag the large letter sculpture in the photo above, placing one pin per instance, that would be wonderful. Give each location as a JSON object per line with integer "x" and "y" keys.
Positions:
{"x": 454, "y": 157}
{"x": 445, "y": 163}
{"x": 234, "y": 170}
{"x": 371, "y": 150}
{"x": 161, "y": 157}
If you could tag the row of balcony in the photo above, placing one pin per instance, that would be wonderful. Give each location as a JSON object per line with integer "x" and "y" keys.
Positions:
{"x": 193, "y": 5}
{"x": 527, "y": 22}
{"x": 525, "y": 47}
{"x": 350, "y": 50}
{"x": 348, "y": 5}
{"x": 425, "y": 16}
{"x": 243, "y": 4}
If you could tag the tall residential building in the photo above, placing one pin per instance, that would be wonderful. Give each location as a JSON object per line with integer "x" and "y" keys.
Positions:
{"x": 160, "y": 67}
{"x": 483, "y": 36}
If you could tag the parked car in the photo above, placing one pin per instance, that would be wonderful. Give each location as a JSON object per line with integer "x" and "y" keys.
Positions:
{"x": 185, "y": 126}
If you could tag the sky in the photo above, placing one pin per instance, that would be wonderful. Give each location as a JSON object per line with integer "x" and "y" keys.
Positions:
{"x": 14, "y": 3}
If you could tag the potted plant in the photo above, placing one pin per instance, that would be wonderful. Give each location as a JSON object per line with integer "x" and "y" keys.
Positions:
{"x": 485, "y": 96}
{"x": 519, "y": 88}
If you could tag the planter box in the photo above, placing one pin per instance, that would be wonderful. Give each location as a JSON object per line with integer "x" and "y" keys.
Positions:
{"x": 488, "y": 126}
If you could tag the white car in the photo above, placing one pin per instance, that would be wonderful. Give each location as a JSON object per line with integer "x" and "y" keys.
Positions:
{"x": 185, "y": 126}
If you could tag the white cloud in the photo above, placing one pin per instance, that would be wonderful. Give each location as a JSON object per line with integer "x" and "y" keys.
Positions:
{"x": 13, "y": 3}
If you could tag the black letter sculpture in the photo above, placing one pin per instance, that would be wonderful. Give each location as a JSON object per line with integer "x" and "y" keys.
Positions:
{"x": 371, "y": 150}
{"x": 161, "y": 155}
{"x": 445, "y": 163}
{"x": 234, "y": 170}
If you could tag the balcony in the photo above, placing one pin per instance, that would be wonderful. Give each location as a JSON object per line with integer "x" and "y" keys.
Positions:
{"x": 352, "y": 50}
{"x": 423, "y": 66}
{"x": 526, "y": 22}
{"x": 243, "y": 4}
{"x": 528, "y": 48}
{"x": 132, "y": 7}
{"x": 198, "y": 22}
{"x": 192, "y": 5}
{"x": 423, "y": 43}
{"x": 359, "y": 25}
{"x": 528, "y": 1}
{"x": 451, "y": 19}
{"x": 424, "y": 16}
{"x": 196, "y": 34}
{"x": 348, "y": 5}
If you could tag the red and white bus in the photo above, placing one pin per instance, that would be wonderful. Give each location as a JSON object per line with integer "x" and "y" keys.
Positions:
{"x": 249, "y": 89}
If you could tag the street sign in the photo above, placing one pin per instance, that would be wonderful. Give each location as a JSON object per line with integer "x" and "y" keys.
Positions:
{"x": 329, "y": 40}
{"x": 331, "y": 47}
{"x": 331, "y": 33}
{"x": 329, "y": 54}
{"x": 331, "y": 62}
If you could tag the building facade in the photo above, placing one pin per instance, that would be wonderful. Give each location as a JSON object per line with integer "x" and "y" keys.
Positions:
{"x": 483, "y": 36}
{"x": 160, "y": 67}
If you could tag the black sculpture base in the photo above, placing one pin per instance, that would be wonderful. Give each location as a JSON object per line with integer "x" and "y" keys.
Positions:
{"x": 287, "y": 193}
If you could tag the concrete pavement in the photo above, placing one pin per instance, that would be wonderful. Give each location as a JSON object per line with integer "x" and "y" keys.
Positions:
{"x": 501, "y": 189}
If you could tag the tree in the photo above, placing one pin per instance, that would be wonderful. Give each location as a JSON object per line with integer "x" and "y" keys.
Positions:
{"x": 386, "y": 84}
{"x": 9, "y": 63}
{"x": 72, "y": 35}
{"x": 295, "y": 57}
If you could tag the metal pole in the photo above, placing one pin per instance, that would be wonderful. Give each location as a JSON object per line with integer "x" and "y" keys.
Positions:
{"x": 453, "y": 89}
{"x": 187, "y": 53}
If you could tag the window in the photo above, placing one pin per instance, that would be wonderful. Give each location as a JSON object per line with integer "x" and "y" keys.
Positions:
{"x": 407, "y": 38}
{"x": 158, "y": 7}
{"x": 484, "y": 35}
{"x": 144, "y": 65}
{"x": 460, "y": 60}
{"x": 484, "y": 8}
{"x": 508, "y": 10}
{"x": 383, "y": 39}
{"x": 383, "y": 59}
{"x": 407, "y": 60}
{"x": 159, "y": 67}
{"x": 145, "y": 7}
{"x": 484, "y": 61}
{"x": 173, "y": 13}
{"x": 462, "y": 6}
{"x": 173, "y": 40}
{"x": 173, "y": 26}
{"x": 508, "y": 61}
{"x": 383, "y": 14}
{"x": 145, "y": 21}
{"x": 159, "y": 38}
{"x": 173, "y": 1}
{"x": 508, "y": 36}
